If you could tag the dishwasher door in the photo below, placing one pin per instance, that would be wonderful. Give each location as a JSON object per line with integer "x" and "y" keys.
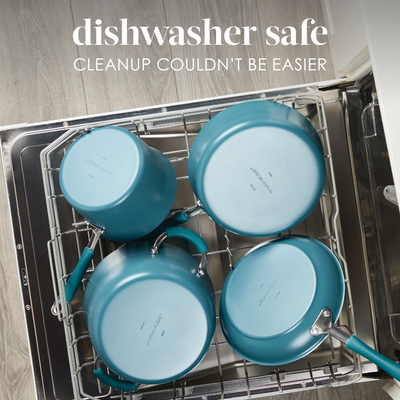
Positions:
{"x": 52, "y": 236}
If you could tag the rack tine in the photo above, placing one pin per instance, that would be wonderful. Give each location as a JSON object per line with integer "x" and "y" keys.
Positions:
{"x": 228, "y": 248}
{"x": 219, "y": 364}
{"x": 174, "y": 386}
{"x": 331, "y": 371}
{"x": 310, "y": 371}
{"x": 74, "y": 342}
{"x": 278, "y": 380}
{"x": 247, "y": 377}
{"x": 331, "y": 345}
{"x": 183, "y": 390}
{"x": 79, "y": 369}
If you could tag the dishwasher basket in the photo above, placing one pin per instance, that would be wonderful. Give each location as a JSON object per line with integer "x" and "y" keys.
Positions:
{"x": 222, "y": 373}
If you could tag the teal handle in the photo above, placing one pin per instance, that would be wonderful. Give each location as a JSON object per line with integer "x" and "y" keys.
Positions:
{"x": 188, "y": 235}
{"x": 109, "y": 380}
{"x": 174, "y": 220}
{"x": 381, "y": 361}
{"x": 75, "y": 279}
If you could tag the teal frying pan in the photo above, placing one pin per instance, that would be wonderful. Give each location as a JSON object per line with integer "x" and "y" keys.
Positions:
{"x": 281, "y": 300}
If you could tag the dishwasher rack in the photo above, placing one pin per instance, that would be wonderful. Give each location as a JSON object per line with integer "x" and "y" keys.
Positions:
{"x": 222, "y": 373}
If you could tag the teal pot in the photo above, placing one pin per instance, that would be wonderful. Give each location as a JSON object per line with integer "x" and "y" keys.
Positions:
{"x": 257, "y": 168}
{"x": 118, "y": 183}
{"x": 149, "y": 311}
{"x": 273, "y": 295}
{"x": 281, "y": 300}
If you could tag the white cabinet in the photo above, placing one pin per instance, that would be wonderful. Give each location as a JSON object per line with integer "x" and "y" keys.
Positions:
{"x": 365, "y": 33}
{"x": 347, "y": 37}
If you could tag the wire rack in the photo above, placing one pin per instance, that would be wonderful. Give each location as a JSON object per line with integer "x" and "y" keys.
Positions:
{"x": 222, "y": 373}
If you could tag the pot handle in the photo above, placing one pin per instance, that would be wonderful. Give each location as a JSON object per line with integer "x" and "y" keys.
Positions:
{"x": 109, "y": 380}
{"x": 176, "y": 219}
{"x": 74, "y": 281}
{"x": 324, "y": 324}
{"x": 188, "y": 235}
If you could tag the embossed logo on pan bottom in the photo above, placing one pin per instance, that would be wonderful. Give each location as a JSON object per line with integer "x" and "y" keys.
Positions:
{"x": 94, "y": 164}
{"x": 268, "y": 291}
{"x": 260, "y": 178}
{"x": 154, "y": 329}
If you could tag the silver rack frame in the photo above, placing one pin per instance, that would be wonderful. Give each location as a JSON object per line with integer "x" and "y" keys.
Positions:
{"x": 166, "y": 126}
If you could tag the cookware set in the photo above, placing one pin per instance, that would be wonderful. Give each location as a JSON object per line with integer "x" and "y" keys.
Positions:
{"x": 279, "y": 301}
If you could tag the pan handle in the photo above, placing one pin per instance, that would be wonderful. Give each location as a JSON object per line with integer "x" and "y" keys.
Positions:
{"x": 176, "y": 219}
{"x": 324, "y": 325}
{"x": 109, "y": 380}
{"x": 357, "y": 345}
{"x": 191, "y": 237}
{"x": 75, "y": 279}
{"x": 79, "y": 272}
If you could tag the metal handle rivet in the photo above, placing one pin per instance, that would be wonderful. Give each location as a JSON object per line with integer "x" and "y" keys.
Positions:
{"x": 65, "y": 123}
{"x": 315, "y": 331}
{"x": 327, "y": 313}
{"x": 164, "y": 109}
{"x": 19, "y": 246}
{"x": 27, "y": 307}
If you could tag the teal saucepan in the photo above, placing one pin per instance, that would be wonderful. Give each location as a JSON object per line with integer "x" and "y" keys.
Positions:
{"x": 257, "y": 168}
{"x": 149, "y": 311}
{"x": 117, "y": 182}
{"x": 121, "y": 186}
{"x": 282, "y": 298}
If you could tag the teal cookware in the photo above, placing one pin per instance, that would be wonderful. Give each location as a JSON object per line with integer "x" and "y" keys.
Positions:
{"x": 273, "y": 295}
{"x": 257, "y": 168}
{"x": 118, "y": 183}
{"x": 121, "y": 186}
{"x": 149, "y": 311}
{"x": 282, "y": 298}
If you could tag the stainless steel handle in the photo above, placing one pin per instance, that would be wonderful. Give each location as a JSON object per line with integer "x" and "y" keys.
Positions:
{"x": 185, "y": 234}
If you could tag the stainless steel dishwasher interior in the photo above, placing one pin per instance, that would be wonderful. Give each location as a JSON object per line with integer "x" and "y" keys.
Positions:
{"x": 62, "y": 354}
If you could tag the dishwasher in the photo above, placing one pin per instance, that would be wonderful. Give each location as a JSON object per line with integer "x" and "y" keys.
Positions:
{"x": 357, "y": 218}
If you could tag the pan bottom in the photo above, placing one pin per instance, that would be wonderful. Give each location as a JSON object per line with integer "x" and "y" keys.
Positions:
{"x": 274, "y": 294}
